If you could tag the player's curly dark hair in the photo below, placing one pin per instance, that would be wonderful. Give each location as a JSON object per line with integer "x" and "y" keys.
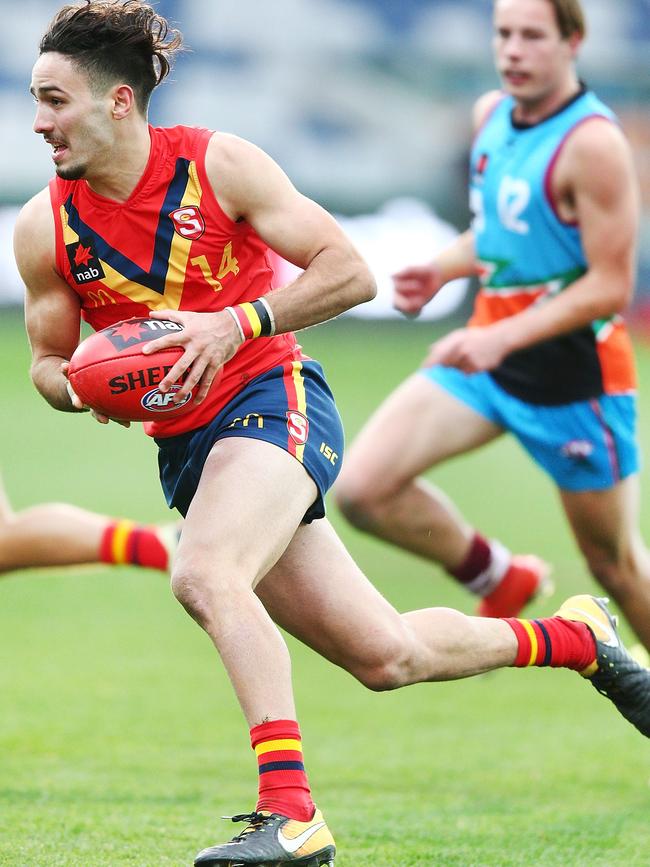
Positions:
{"x": 115, "y": 41}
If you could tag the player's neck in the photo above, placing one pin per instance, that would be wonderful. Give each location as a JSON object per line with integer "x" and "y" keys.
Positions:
{"x": 534, "y": 111}
{"x": 120, "y": 175}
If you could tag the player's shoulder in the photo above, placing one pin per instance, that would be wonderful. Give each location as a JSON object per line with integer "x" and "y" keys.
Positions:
{"x": 485, "y": 105}
{"x": 595, "y": 155}
{"x": 227, "y": 150}
{"x": 239, "y": 170}
{"x": 34, "y": 239}
{"x": 596, "y": 140}
{"x": 35, "y": 218}
{"x": 596, "y": 136}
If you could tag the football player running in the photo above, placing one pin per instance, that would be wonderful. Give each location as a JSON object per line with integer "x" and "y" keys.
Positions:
{"x": 546, "y": 355}
{"x": 178, "y": 223}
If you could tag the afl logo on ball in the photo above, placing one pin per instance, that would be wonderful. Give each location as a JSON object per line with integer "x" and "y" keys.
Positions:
{"x": 188, "y": 222}
{"x": 156, "y": 401}
{"x": 298, "y": 427}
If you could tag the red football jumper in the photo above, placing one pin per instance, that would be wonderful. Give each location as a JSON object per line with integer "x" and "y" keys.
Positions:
{"x": 169, "y": 246}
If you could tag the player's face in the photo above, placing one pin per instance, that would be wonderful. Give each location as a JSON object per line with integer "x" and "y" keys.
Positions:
{"x": 76, "y": 123}
{"x": 532, "y": 58}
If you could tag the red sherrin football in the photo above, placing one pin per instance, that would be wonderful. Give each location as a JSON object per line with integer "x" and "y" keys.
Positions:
{"x": 111, "y": 375}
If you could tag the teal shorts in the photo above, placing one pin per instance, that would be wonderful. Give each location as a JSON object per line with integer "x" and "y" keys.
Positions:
{"x": 589, "y": 445}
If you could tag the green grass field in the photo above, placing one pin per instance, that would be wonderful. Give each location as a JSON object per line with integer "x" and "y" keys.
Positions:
{"x": 120, "y": 739}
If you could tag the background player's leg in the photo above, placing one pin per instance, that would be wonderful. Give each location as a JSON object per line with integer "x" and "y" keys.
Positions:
{"x": 58, "y": 534}
{"x": 381, "y": 492}
{"x": 606, "y": 527}
{"x": 5, "y": 507}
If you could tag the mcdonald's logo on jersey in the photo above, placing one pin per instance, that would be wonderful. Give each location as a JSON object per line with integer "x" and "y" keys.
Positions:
{"x": 188, "y": 222}
{"x": 84, "y": 264}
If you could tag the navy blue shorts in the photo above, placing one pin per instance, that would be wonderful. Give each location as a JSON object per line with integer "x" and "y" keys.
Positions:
{"x": 290, "y": 406}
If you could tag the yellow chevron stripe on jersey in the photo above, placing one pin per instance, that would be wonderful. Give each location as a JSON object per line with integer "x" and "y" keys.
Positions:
{"x": 180, "y": 249}
{"x": 132, "y": 290}
{"x": 69, "y": 234}
{"x": 176, "y": 265}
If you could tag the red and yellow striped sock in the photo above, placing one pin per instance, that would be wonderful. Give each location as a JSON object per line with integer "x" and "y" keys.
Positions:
{"x": 126, "y": 542}
{"x": 284, "y": 787}
{"x": 553, "y": 641}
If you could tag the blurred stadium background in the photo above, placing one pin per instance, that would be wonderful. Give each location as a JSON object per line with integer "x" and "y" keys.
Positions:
{"x": 120, "y": 738}
{"x": 361, "y": 101}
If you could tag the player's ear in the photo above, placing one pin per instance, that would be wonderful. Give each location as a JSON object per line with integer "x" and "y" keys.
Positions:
{"x": 575, "y": 41}
{"x": 123, "y": 101}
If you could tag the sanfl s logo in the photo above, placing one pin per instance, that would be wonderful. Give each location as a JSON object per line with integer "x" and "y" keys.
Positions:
{"x": 188, "y": 222}
{"x": 298, "y": 427}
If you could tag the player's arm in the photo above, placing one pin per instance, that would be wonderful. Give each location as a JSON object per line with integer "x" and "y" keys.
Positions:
{"x": 595, "y": 186}
{"x": 250, "y": 186}
{"x": 596, "y": 182}
{"x": 415, "y": 285}
{"x": 52, "y": 309}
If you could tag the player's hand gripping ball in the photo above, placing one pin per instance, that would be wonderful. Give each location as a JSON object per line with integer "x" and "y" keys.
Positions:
{"x": 111, "y": 375}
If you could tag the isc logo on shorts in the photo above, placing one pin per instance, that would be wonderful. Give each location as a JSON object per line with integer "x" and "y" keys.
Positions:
{"x": 156, "y": 401}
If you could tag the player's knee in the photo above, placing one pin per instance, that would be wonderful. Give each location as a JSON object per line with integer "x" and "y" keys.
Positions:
{"x": 383, "y": 676}
{"x": 387, "y": 668}
{"x": 193, "y": 592}
{"x": 357, "y": 500}
{"x": 617, "y": 571}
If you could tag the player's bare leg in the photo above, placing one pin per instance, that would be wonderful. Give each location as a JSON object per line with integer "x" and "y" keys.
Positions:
{"x": 380, "y": 490}
{"x": 5, "y": 506}
{"x": 240, "y": 535}
{"x": 251, "y": 498}
{"x": 606, "y": 527}
{"x": 235, "y": 530}
{"x": 317, "y": 593}
{"x": 58, "y": 534}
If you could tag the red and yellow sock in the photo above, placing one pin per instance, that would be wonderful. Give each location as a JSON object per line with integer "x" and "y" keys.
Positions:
{"x": 126, "y": 542}
{"x": 284, "y": 787}
{"x": 553, "y": 641}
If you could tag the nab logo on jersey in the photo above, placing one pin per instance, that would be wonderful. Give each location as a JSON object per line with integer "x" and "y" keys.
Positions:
{"x": 188, "y": 222}
{"x": 84, "y": 264}
{"x": 298, "y": 427}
